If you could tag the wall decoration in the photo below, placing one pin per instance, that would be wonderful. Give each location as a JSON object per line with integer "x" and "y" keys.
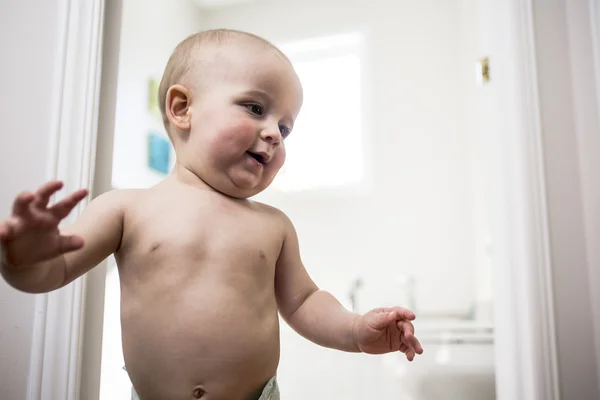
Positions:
{"x": 153, "y": 106}
{"x": 159, "y": 152}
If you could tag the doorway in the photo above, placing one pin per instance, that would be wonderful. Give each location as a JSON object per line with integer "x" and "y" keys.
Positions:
{"x": 436, "y": 150}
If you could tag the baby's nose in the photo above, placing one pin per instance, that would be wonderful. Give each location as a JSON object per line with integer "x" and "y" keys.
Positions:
{"x": 271, "y": 136}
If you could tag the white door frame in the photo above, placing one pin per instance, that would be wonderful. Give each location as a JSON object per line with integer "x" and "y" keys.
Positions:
{"x": 58, "y": 329}
{"x": 525, "y": 346}
{"x": 591, "y": 165}
{"x": 523, "y": 301}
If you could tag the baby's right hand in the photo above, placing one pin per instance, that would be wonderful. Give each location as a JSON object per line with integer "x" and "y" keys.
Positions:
{"x": 31, "y": 234}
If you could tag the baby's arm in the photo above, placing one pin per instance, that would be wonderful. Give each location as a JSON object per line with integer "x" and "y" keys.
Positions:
{"x": 319, "y": 317}
{"x": 313, "y": 313}
{"x": 38, "y": 257}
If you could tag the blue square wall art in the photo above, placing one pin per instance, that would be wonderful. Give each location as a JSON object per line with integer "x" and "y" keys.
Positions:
{"x": 159, "y": 153}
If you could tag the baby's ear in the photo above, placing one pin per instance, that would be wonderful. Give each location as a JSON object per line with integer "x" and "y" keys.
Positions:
{"x": 177, "y": 107}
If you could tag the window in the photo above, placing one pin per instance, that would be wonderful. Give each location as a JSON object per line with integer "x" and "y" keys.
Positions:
{"x": 325, "y": 148}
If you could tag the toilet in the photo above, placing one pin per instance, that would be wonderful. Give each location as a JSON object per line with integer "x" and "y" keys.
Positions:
{"x": 457, "y": 364}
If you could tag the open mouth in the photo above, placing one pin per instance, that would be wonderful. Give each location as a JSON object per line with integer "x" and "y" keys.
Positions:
{"x": 261, "y": 160}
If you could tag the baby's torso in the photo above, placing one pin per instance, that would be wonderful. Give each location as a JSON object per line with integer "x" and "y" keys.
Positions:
{"x": 198, "y": 308}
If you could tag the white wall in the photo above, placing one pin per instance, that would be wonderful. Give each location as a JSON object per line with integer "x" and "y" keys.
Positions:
{"x": 416, "y": 214}
{"x": 151, "y": 30}
{"x": 29, "y": 39}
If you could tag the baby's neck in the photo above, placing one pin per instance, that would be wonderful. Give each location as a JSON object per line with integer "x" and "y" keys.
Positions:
{"x": 183, "y": 175}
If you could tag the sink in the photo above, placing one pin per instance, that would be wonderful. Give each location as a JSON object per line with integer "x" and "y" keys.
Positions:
{"x": 454, "y": 366}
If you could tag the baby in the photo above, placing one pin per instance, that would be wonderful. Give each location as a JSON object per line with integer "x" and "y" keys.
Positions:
{"x": 204, "y": 271}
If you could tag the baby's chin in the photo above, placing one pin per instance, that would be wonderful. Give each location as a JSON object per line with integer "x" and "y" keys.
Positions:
{"x": 240, "y": 189}
{"x": 238, "y": 193}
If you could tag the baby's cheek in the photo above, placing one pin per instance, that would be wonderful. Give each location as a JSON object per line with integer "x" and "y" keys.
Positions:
{"x": 278, "y": 159}
{"x": 242, "y": 133}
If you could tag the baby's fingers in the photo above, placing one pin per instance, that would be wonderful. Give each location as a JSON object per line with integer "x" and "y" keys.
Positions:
{"x": 407, "y": 328}
{"x": 11, "y": 228}
{"x": 4, "y": 232}
{"x": 43, "y": 194}
{"x": 417, "y": 346}
{"x": 61, "y": 209}
{"x": 402, "y": 313}
{"x": 409, "y": 338}
{"x": 21, "y": 204}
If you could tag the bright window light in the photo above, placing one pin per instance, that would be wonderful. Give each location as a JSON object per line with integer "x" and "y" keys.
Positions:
{"x": 325, "y": 147}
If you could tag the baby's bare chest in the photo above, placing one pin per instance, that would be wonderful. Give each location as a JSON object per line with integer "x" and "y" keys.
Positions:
{"x": 224, "y": 239}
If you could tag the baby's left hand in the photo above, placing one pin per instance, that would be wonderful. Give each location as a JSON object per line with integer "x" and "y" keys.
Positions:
{"x": 384, "y": 330}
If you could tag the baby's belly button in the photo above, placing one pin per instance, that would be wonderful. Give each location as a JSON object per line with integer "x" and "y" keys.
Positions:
{"x": 198, "y": 392}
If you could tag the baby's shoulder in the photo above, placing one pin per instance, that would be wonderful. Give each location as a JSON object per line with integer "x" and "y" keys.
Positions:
{"x": 120, "y": 198}
{"x": 116, "y": 202}
{"x": 272, "y": 214}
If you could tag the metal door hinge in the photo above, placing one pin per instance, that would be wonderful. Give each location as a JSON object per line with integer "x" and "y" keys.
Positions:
{"x": 483, "y": 71}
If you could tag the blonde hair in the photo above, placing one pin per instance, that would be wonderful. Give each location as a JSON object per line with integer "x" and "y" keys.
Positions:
{"x": 185, "y": 58}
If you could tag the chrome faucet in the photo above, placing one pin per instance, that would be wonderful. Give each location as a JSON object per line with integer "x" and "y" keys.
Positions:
{"x": 405, "y": 283}
{"x": 357, "y": 284}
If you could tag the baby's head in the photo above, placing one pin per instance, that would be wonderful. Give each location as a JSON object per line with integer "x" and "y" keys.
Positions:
{"x": 228, "y": 101}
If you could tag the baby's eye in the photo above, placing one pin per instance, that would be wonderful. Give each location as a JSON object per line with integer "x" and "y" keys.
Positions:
{"x": 255, "y": 109}
{"x": 285, "y": 131}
